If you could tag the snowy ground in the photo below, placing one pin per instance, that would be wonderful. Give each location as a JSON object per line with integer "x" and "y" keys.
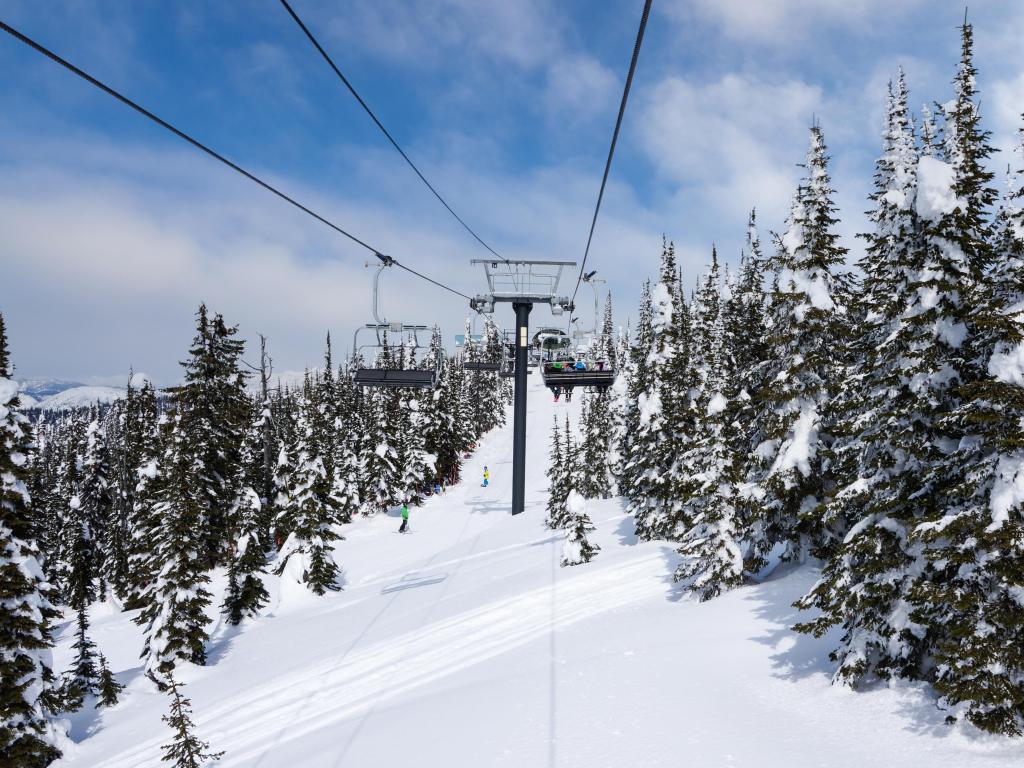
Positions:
{"x": 464, "y": 644}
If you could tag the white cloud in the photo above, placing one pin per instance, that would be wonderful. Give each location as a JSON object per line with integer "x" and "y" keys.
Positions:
{"x": 781, "y": 21}
{"x": 579, "y": 87}
{"x": 524, "y": 33}
{"x": 728, "y": 145}
{"x": 1006, "y": 110}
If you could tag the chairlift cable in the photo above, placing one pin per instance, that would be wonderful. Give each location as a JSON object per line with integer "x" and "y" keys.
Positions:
{"x": 384, "y": 130}
{"x": 615, "y": 138}
{"x": 210, "y": 152}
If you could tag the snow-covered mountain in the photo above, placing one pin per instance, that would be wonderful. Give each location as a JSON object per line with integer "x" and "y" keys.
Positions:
{"x": 465, "y": 645}
{"x": 42, "y": 388}
{"x": 81, "y": 396}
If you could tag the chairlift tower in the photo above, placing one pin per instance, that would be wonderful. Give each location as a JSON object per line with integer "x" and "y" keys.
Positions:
{"x": 522, "y": 284}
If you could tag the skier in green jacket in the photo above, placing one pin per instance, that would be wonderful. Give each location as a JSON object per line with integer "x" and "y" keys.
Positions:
{"x": 405, "y": 517}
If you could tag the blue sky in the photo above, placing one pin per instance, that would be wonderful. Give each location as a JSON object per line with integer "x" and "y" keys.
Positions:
{"x": 114, "y": 230}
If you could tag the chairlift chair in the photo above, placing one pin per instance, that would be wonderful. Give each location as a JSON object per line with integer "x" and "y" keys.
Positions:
{"x": 410, "y": 378}
{"x": 556, "y": 374}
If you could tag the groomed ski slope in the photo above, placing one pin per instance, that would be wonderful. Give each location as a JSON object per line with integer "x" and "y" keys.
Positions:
{"x": 465, "y": 644}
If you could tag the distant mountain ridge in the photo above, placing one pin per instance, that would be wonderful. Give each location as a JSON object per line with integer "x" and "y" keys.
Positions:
{"x": 51, "y": 394}
{"x": 42, "y": 388}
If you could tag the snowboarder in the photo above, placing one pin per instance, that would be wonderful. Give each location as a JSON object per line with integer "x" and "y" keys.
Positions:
{"x": 487, "y": 476}
{"x": 557, "y": 392}
{"x": 405, "y": 518}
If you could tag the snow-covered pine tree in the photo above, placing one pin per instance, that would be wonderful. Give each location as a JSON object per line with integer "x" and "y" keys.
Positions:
{"x": 557, "y": 491}
{"x": 980, "y": 658}
{"x": 246, "y": 593}
{"x": 440, "y": 437}
{"x": 109, "y": 688}
{"x": 882, "y": 444}
{"x": 123, "y": 439}
{"x": 968, "y": 595}
{"x": 595, "y": 480}
{"x": 417, "y": 465}
{"x": 652, "y": 447}
{"x": 308, "y": 511}
{"x": 711, "y": 470}
{"x": 175, "y": 602}
{"x": 96, "y": 500}
{"x": 44, "y": 483}
{"x": 607, "y": 350}
{"x": 745, "y": 344}
{"x": 186, "y": 750}
{"x": 144, "y": 521}
{"x": 619, "y": 406}
{"x": 67, "y": 529}
{"x": 83, "y": 678}
{"x": 381, "y": 469}
{"x": 805, "y": 332}
{"x": 28, "y": 736}
{"x": 577, "y": 549}
{"x": 218, "y": 415}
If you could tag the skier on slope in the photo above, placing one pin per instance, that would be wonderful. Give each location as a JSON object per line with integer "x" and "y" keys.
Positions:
{"x": 405, "y": 517}
{"x": 487, "y": 476}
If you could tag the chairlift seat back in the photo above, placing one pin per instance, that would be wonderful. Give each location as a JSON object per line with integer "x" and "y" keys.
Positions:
{"x": 395, "y": 377}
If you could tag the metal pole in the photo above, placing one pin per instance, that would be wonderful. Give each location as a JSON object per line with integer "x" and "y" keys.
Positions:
{"x": 522, "y": 310}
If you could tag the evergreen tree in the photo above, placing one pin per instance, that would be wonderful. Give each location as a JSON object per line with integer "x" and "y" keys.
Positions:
{"x": 109, "y": 688}
{"x": 745, "y": 348}
{"x": 441, "y": 434}
{"x": 143, "y": 521}
{"x": 558, "y": 493}
{"x": 80, "y": 551}
{"x": 807, "y": 311}
{"x": 595, "y": 480}
{"x": 713, "y": 559}
{"x": 83, "y": 678}
{"x": 968, "y": 595}
{"x": 187, "y": 750}
{"x": 652, "y": 448}
{"x": 308, "y": 510}
{"x": 28, "y": 737}
{"x": 174, "y": 616}
{"x": 577, "y": 549}
{"x": 96, "y": 500}
{"x": 607, "y": 342}
{"x": 246, "y": 593}
{"x": 883, "y": 437}
{"x": 214, "y": 399}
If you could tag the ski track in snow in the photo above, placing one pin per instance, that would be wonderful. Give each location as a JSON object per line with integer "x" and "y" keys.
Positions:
{"x": 338, "y": 689}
